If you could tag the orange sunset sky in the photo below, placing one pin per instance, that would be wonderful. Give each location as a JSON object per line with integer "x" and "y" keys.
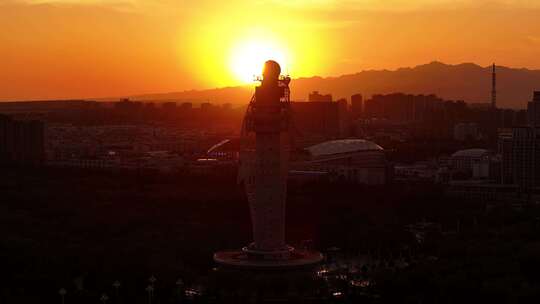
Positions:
{"x": 98, "y": 48}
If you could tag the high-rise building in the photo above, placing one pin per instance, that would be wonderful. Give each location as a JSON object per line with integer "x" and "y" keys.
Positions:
{"x": 533, "y": 110}
{"x": 466, "y": 131}
{"x": 525, "y": 151}
{"x": 206, "y": 107}
{"x": 186, "y": 106}
{"x": 314, "y": 122}
{"x": 403, "y": 108}
{"x": 21, "y": 142}
{"x": 357, "y": 106}
{"x": 169, "y": 106}
{"x": 526, "y": 157}
{"x": 128, "y": 106}
{"x": 504, "y": 148}
{"x": 315, "y": 96}
{"x": 343, "y": 117}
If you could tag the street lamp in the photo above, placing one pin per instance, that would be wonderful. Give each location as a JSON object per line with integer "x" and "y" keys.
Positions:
{"x": 152, "y": 280}
{"x": 116, "y": 284}
{"x": 180, "y": 285}
{"x": 62, "y": 293}
{"x": 150, "y": 290}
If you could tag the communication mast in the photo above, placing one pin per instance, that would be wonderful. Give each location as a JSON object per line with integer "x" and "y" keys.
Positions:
{"x": 493, "y": 88}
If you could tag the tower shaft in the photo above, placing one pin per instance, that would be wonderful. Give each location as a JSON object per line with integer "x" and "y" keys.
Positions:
{"x": 268, "y": 207}
{"x": 268, "y": 202}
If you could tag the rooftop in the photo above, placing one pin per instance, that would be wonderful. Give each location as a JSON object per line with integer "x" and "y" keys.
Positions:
{"x": 343, "y": 146}
{"x": 471, "y": 153}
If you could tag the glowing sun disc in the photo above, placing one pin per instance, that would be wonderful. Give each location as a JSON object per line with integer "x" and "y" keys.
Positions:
{"x": 247, "y": 59}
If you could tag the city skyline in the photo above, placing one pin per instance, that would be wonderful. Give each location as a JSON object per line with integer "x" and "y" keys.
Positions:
{"x": 270, "y": 151}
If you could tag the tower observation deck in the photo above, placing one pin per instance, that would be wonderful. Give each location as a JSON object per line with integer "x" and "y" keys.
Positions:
{"x": 263, "y": 171}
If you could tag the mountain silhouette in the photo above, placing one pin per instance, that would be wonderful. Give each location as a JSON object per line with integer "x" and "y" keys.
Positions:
{"x": 468, "y": 81}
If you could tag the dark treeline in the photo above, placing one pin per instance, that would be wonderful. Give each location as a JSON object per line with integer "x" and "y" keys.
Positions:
{"x": 60, "y": 225}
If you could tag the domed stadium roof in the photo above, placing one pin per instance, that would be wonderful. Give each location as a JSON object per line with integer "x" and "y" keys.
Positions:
{"x": 473, "y": 153}
{"x": 343, "y": 146}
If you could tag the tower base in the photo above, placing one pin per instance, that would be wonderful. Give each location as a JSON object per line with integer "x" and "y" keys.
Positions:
{"x": 238, "y": 279}
{"x": 252, "y": 259}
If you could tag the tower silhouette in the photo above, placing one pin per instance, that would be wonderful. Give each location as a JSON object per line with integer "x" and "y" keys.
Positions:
{"x": 263, "y": 171}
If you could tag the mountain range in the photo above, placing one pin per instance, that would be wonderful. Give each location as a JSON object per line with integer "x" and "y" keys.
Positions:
{"x": 468, "y": 81}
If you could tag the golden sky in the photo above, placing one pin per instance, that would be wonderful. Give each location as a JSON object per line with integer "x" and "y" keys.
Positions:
{"x": 103, "y": 48}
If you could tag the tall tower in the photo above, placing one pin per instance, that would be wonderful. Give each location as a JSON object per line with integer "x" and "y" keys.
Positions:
{"x": 493, "y": 88}
{"x": 268, "y": 120}
{"x": 263, "y": 170}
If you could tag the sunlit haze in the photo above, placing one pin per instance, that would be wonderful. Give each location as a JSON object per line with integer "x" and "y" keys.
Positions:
{"x": 248, "y": 57}
{"x": 95, "y": 48}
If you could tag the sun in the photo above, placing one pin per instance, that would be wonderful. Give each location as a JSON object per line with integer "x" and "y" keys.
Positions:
{"x": 248, "y": 57}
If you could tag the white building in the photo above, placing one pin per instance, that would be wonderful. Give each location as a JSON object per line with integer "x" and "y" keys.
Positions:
{"x": 463, "y": 160}
{"x": 349, "y": 160}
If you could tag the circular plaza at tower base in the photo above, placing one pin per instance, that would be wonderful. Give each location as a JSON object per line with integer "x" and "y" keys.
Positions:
{"x": 244, "y": 259}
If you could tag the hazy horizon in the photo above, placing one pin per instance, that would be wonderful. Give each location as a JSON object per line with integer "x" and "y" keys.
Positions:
{"x": 249, "y": 85}
{"x": 57, "y": 49}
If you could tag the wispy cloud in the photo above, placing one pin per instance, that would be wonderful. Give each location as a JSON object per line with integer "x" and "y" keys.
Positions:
{"x": 151, "y": 6}
{"x": 398, "y": 5}
{"x": 138, "y": 6}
